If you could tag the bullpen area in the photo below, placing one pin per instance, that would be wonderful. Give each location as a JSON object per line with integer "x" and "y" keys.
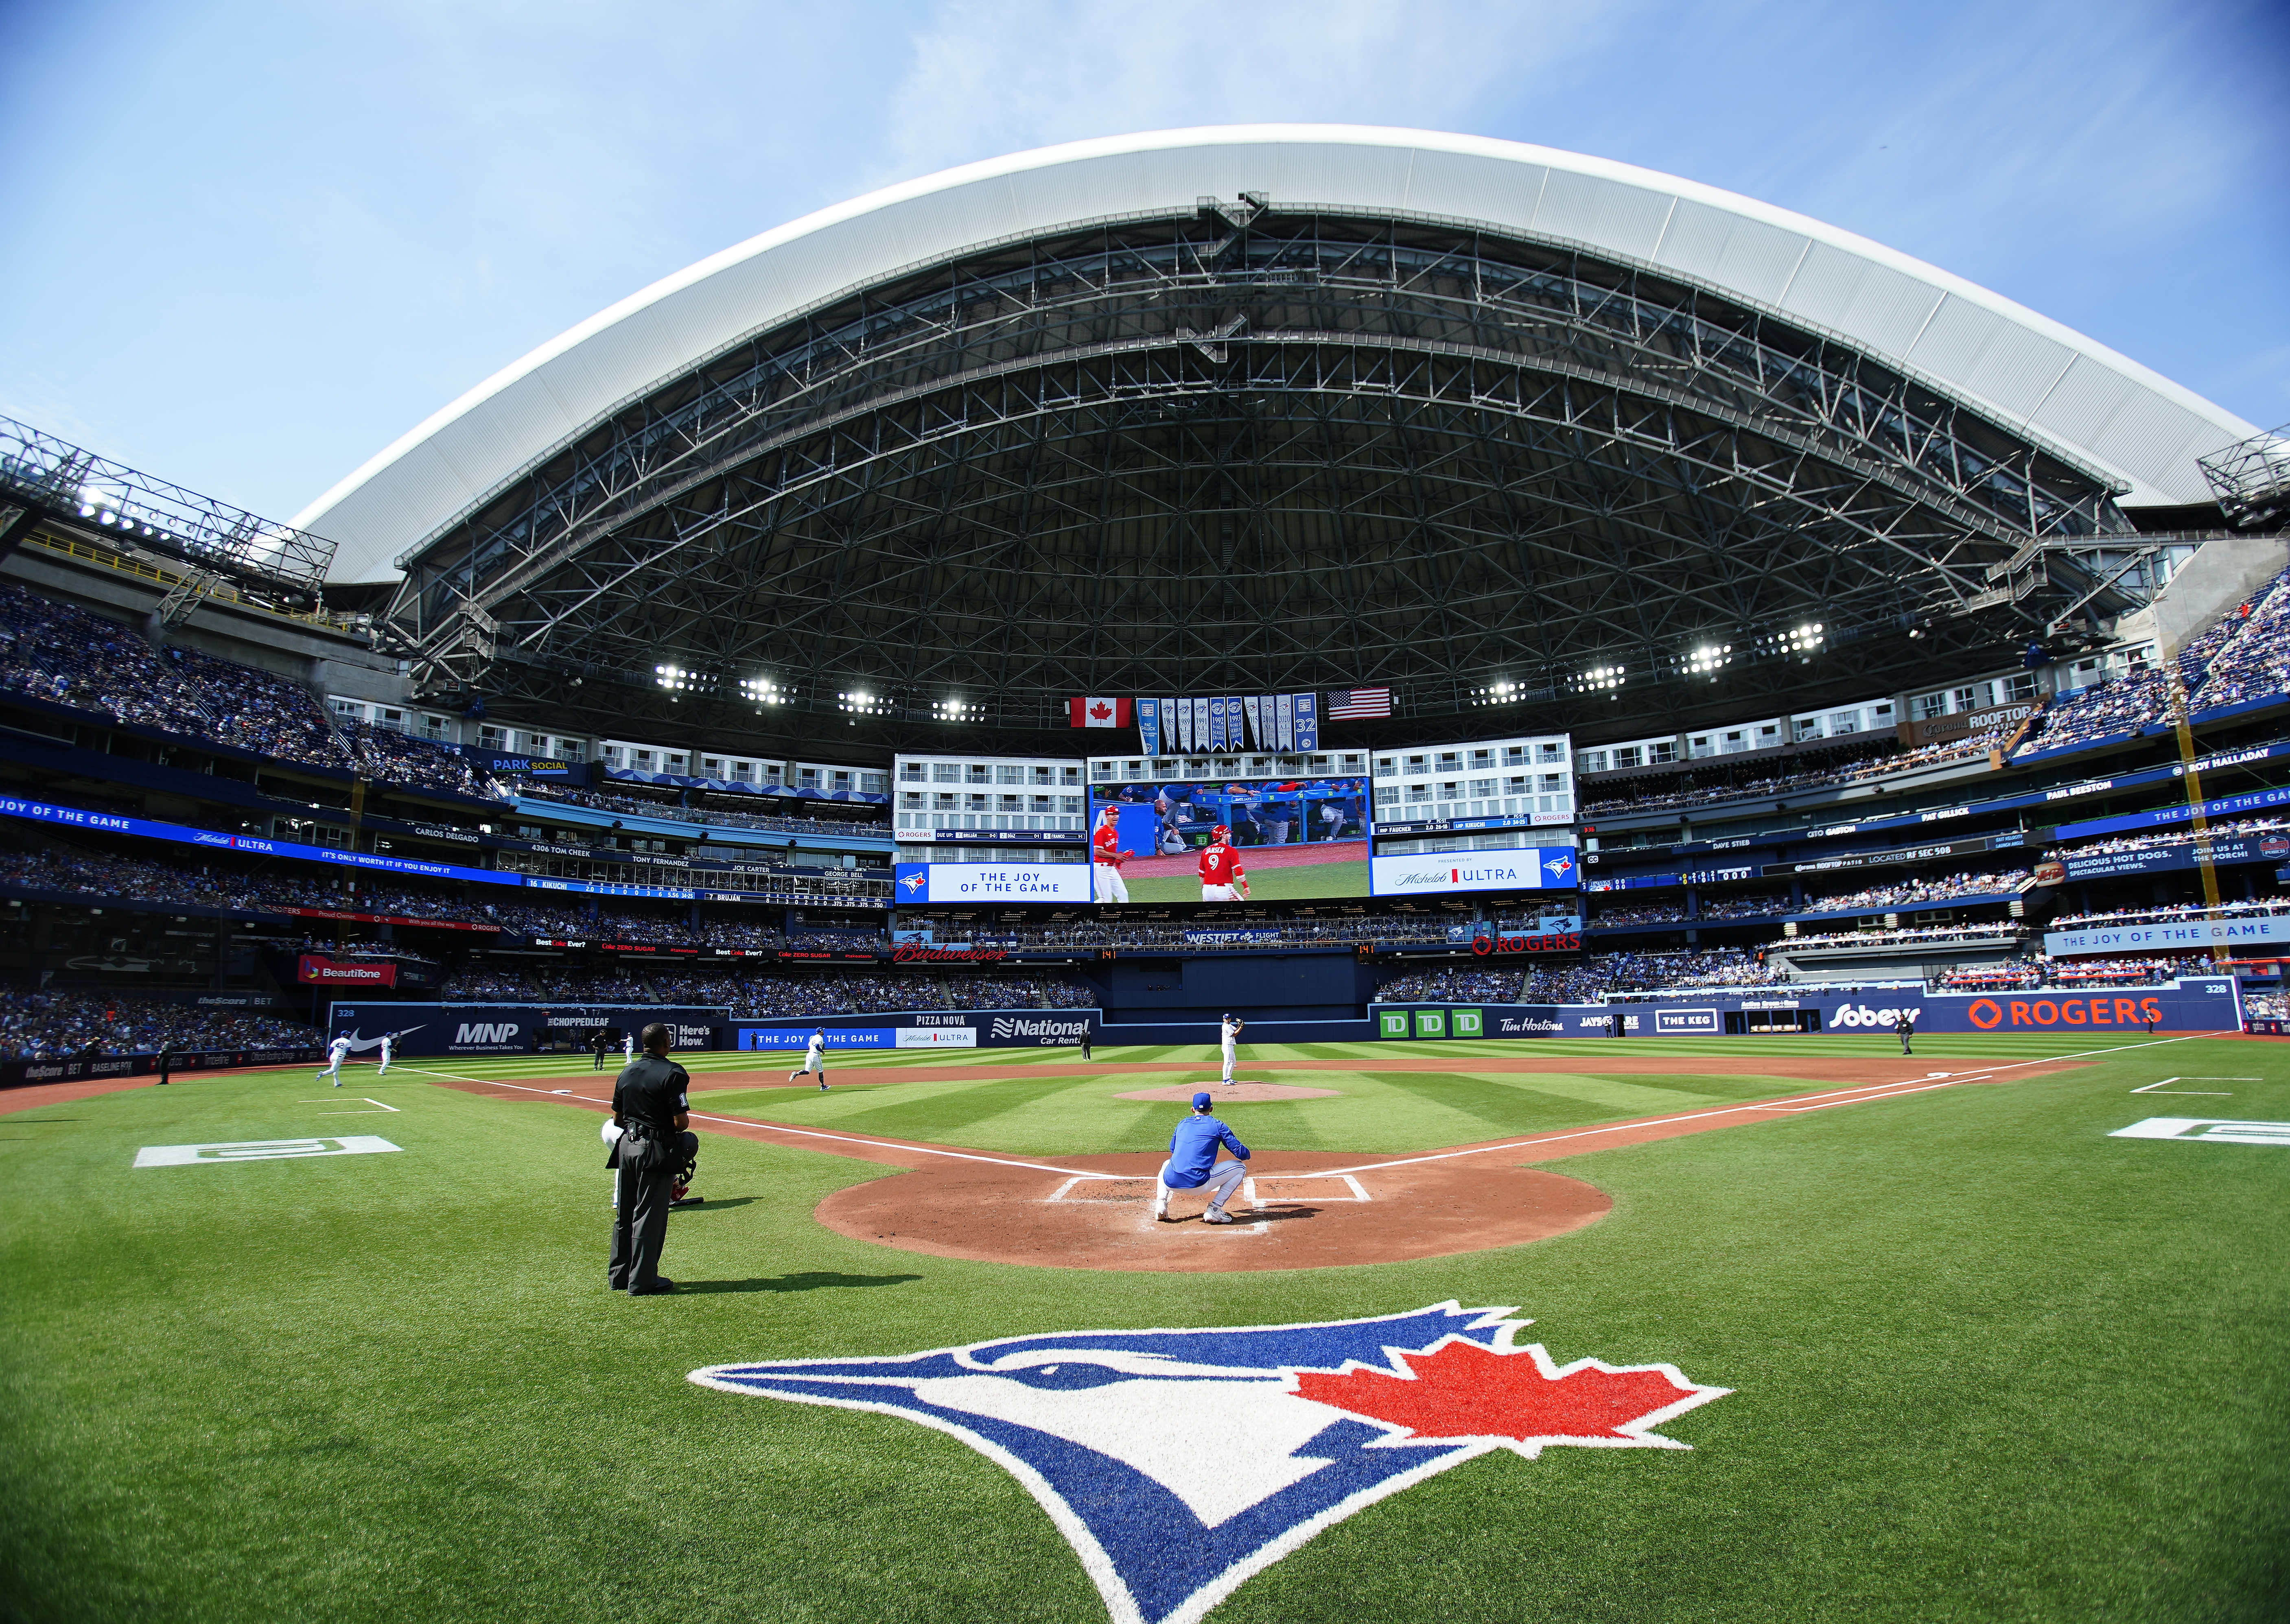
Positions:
{"x": 1663, "y": 1329}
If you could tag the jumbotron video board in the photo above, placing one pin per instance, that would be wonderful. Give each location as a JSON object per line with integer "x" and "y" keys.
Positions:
{"x": 1291, "y": 838}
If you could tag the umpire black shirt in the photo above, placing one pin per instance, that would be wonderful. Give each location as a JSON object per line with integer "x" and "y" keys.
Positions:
{"x": 650, "y": 1090}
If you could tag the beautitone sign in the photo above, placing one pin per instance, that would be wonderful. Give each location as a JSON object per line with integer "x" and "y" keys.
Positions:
{"x": 2266, "y": 930}
{"x": 1425, "y": 874}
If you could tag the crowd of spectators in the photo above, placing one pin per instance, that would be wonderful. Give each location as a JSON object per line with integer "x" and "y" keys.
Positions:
{"x": 1919, "y": 892}
{"x": 2265, "y": 1006}
{"x": 2170, "y": 912}
{"x": 38, "y": 1026}
{"x": 2254, "y": 663}
{"x": 1644, "y": 913}
{"x": 706, "y": 815}
{"x": 2036, "y": 974}
{"x": 824, "y": 992}
{"x": 63, "y": 653}
{"x": 260, "y": 712}
{"x": 2220, "y": 830}
{"x": 421, "y": 763}
{"x": 1585, "y": 981}
{"x": 1715, "y": 779}
{"x": 1992, "y": 930}
{"x": 2243, "y": 655}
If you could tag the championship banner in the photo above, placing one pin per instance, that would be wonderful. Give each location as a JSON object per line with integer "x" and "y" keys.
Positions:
{"x": 1283, "y": 725}
{"x": 1253, "y": 706}
{"x": 1307, "y": 724}
{"x": 1200, "y": 738}
{"x": 1216, "y": 723}
{"x": 1149, "y": 726}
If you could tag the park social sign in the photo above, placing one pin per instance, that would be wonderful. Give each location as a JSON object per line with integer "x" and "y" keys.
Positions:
{"x": 1178, "y": 1463}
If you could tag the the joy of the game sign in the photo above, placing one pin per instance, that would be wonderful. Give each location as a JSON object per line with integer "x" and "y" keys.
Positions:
{"x": 1180, "y": 1462}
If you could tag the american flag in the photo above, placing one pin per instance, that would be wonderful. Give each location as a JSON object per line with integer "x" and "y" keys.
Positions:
{"x": 1355, "y": 702}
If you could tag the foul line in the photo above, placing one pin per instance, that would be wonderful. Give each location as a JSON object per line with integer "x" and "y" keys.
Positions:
{"x": 1826, "y": 1099}
{"x": 755, "y": 1122}
{"x": 1858, "y": 1095}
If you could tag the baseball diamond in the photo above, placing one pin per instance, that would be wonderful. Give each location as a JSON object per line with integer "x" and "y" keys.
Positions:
{"x": 1259, "y": 874}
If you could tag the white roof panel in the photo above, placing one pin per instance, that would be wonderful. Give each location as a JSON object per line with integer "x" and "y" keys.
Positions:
{"x": 2095, "y": 406}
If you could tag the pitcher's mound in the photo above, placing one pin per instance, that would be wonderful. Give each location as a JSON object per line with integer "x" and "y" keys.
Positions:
{"x": 1241, "y": 1093}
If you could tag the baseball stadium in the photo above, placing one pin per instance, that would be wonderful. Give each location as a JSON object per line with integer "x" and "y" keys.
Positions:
{"x": 1285, "y": 872}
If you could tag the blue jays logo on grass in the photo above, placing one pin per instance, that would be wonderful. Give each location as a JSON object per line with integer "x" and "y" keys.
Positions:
{"x": 1180, "y": 1462}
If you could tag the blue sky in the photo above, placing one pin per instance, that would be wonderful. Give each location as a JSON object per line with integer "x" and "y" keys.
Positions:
{"x": 266, "y": 240}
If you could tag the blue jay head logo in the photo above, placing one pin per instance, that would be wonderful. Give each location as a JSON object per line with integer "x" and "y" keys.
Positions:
{"x": 1180, "y": 1462}
{"x": 1560, "y": 866}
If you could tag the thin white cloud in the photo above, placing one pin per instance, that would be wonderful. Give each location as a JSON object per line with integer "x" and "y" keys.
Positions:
{"x": 991, "y": 76}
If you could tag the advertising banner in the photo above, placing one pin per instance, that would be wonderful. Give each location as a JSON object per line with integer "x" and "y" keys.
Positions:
{"x": 15, "y": 1073}
{"x": 1236, "y": 938}
{"x": 928, "y": 1029}
{"x": 920, "y": 883}
{"x": 2178, "y": 934}
{"x": 73, "y": 817}
{"x": 1433, "y": 873}
{"x": 438, "y": 1029}
{"x": 2201, "y": 1003}
{"x": 2178, "y": 854}
{"x": 317, "y": 970}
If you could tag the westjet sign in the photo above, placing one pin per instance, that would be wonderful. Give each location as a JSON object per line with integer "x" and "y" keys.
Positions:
{"x": 1432, "y": 873}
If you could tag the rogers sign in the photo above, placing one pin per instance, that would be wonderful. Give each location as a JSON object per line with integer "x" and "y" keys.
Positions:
{"x": 1569, "y": 941}
{"x": 915, "y": 952}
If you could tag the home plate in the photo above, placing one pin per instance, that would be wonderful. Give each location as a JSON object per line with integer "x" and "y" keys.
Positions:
{"x": 1240, "y": 1093}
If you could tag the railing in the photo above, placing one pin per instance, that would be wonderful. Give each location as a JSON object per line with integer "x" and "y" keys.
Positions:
{"x": 142, "y": 568}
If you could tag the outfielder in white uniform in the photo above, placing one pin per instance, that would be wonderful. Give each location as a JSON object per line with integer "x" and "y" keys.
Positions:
{"x": 1228, "y": 1032}
{"x": 388, "y": 1048}
{"x": 627, "y": 1048}
{"x": 1106, "y": 858}
{"x": 814, "y": 1060}
{"x": 337, "y": 1051}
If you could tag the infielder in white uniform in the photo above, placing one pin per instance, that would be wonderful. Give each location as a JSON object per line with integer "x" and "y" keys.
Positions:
{"x": 1106, "y": 858}
{"x": 388, "y": 1048}
{"x": 337, "y": 1051}
{"x": 814, "y": 1060}
{"x": 627, "y": 1049}
{"x": 1228, "y": 1031}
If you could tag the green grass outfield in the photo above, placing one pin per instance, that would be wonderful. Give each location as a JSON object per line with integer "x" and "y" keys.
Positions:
{"x": 1987, "y": 1361}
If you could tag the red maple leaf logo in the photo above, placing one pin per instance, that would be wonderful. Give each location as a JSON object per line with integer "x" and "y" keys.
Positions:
{"x": 1463, "y": 1389}
{"x": 1101, "y": 710}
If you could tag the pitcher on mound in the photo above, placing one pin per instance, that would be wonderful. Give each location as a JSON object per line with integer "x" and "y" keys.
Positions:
{"x": 1223, "y": 878}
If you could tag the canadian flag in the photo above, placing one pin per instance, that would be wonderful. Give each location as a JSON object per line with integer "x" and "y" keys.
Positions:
{"x": 1101, "y": 713}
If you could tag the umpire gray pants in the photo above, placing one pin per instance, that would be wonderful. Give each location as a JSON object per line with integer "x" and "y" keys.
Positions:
{"x": 640, "y": 1219}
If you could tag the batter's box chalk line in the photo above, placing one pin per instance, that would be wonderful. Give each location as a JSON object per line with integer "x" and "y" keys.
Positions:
{"x": 1100, "y": 1191}
{"x": 1254, "y": 1190}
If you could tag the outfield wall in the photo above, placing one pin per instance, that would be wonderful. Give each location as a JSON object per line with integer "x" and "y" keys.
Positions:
{"x": 435, "y": 1030}
{"x": 2190, "y": 1004}
{"x": 921, "y": 1029}
{"x": 16, "y": 1073}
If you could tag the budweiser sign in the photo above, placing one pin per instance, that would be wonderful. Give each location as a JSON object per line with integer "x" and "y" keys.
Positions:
{"x": 913, "y": 953}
